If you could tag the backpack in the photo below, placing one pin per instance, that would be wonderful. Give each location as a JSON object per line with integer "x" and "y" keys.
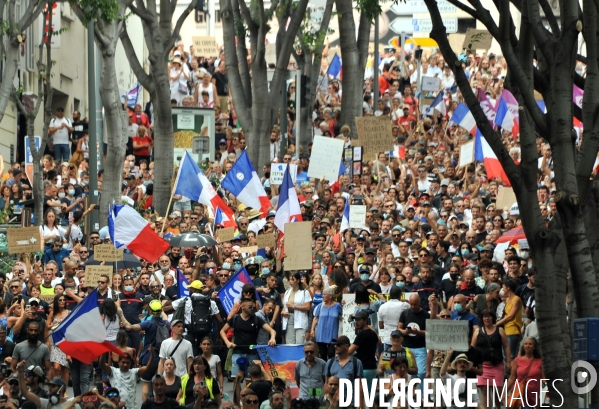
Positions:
{"x": 329, "y": 364}
{"x": 162, "y": 333}
{"x": 201, "y": 317}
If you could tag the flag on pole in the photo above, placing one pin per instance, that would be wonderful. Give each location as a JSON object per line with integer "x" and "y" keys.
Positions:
{"x": 438, "y": 104}
{"x": 182, "y": 284}
{"x": 218, "y": 217}
{"x": 345, "y": 217}
{"x": 289, "y": 209}
{"x": 192, "y": 183}
{"x": 335, "y": 67}
{"x": 82, "y": 334}
{"x": 230, "y": 293}
{"x": 484, "y": 153}
{"x": 463, "y": 117}
{"x": 243, "y": 182}
{"x": 336, "y": 186}
{"x": 129, "y": 230}
{"x": 132, "y": 96}
{"x": 506, "y": 119}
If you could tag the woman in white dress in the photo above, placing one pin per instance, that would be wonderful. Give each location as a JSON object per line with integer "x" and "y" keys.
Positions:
{"x": 178, "y": 75}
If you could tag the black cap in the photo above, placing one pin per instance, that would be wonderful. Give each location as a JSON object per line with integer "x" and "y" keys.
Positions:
{"x": 370, "y": 250}
{"x": 60, "y": 109}
{"x": 342, "y": 340}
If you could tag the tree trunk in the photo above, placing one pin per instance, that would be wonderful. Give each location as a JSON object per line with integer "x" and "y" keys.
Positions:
{"x": 116, "y": 127}
{"x": 163, "y": 140}
{"x": 8, "y": 74}
{"x": 353, "y": 56}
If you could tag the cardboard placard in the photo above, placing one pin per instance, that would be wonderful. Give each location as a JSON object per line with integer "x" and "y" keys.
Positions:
{"x": 374, "y": 135}
{"x": 455, "y": 41}
{"x": 107, "y": 252}
{"x": 249, "y": 249}
{"x": 227, "y": 234}
{"x": 49, "y": 298}
{"x": 325, "y": 158}
{"x": 505, "y": 198}
{"x": 477, "y": 39}
{"x": 277, "y": 171}
{"x": 24, "y": 240}
{"x": 266, "y": 240}
{"x": 357, "y": 216}
{"x": 443, "y": 334}
{"x": 406, "y": 296}
{"x": 93, "y": 273}
{"x": 204, "y": 47}
{"x": 431, "y": 84}
{"x": 347, "y": 328}
{"x": 298, "y": 246}
{"x": 466, "y": 154}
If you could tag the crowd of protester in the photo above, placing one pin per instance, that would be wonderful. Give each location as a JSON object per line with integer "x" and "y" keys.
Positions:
{"x": 430, "y": 232}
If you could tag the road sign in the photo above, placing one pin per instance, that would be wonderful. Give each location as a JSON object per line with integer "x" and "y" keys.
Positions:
{"x": 585, "y": 337}
{"x": 29, "y": 157}
{"x": 412, "y": 25}
{"x": 418, "y": 6}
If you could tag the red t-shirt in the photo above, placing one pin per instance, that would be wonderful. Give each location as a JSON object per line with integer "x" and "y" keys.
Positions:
{"x": 145, "y": 151}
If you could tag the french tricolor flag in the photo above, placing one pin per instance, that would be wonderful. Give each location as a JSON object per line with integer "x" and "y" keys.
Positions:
{"x": 336, "y": 186}
{"x": 243, "y": 182}
{"x": 484, "y": 153}
{"x": 345, "y": 218}
{"x": 438, "y": 104}
{"x": 288, "y": 210}
{"x": 463, "y": 117}
{"x": 335, "y": 68}
{"x": 192, "y": 183}
{"x": 82, "y": 334}
{"x": 131, "y": 231}
{"x": 506, "y": 119}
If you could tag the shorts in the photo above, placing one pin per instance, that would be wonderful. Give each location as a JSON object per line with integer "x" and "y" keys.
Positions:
{"x": 182, "y": 206}
{"x": 223, "y": 103}
{"x": 147, "y": 377}
{"x": 251, "y": 357}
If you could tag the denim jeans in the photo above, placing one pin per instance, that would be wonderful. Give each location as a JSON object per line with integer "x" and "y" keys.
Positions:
{"x": 514, "y": 343}
{"x": 420, "y": 357}
{"x": 62, "y": 153}
{"x": 81, "y": 377}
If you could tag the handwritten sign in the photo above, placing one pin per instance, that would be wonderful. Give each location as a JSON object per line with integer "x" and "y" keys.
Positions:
{"x": 49, "y": 298}
{"x": 249, "y": 249}
{"x": 277, "y": 171}
{"x": 204, "y": 47}
{"x": 406, "y": 296}
{"x": 443, "y": 334}
{"x": 265, "y": 240}
{"x": 326, "y": 158}
{"x": 298, "y": 249}
{"x": 24, "y": 240}
{"x": 357, "y": 216}
{"x": 227, "y": 234}
{"x": 347, "y": 328}
{"x": 107, "y": 252}
{"x": 432, "y": 84}
{"x": 477, "y": 39}
{"x": 374, "y": 135}
{"x": 93, "y": 273}
{"x": 466, "y": 154}
{"x": 505, "y": 198}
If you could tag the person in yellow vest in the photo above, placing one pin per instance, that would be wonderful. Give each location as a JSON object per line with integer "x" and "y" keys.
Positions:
{"x": 512, "y": 317}
{"x": 46, "y": 287}
{"x": 199, "y": 373}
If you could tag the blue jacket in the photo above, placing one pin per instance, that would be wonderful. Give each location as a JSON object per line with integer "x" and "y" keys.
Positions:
{"x": 57, "y": 256}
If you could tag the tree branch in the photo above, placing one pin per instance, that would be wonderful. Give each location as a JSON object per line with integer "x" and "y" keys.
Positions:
{"x": 181, "y": 19}
{"x": 31, "y": 14}
{"x": 241, "y": 52}
{"x": 141, "y": 12}
{"x": 247, "y": 17}
{"x": 144, "y": 79}
{"x": 550, "y": 18}
{"x": 544, "y": 39}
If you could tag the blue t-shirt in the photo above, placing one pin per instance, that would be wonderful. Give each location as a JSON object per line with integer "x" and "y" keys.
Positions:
{"x": 328, "y": 322}
{"x": 301, "y": 177}
{"x": 149, "y": 326}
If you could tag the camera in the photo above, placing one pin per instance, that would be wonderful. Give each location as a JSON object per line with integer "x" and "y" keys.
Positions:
{"x": 4, "y": 368}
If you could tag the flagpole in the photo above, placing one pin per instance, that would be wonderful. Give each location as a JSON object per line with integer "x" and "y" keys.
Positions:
{"x": 170, "y": 201}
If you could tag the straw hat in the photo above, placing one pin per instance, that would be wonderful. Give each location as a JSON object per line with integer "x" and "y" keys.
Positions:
{"x": 462, "y": 357}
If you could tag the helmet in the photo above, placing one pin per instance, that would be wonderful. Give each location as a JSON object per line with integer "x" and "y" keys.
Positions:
{"x": 155, "y": 306}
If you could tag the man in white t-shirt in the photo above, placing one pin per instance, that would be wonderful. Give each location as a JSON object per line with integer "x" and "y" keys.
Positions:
{"x": 60, "y": 128}
{"x": 124, "y": 378}
{"x": 177, "y": 348}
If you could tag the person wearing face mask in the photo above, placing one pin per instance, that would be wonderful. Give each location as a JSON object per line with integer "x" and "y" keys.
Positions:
{"x": 468, "y": 289}
{"x": 364, "y": 271}
{"x": 237, "y": 264}
{"x": 461, "y": 312}
{"x": 131, "y": 302}
{"x": 448, "y": 285}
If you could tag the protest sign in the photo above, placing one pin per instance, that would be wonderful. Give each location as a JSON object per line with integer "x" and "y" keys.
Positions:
{"x": 107, "y": 252}
{"x": 93, "y": 273}
{"x": 326, "y": 158}
{"x": 357, "y": 216}
{"x": 204, "y": 47}
{"x": 466, "y": 154}
{"x": 431, "y": 84}
{"x": 477, "y": 39}
{"x": 249, "y": 249}
{"x": 347, "y": 328}
{"x": 49, "y": 298}
{"x": 505, "y": 198}
{"x": 406, "y": 296}
{"x": 374, "y": 135}
{"x": 24, "y": 240}
{"x": 298, "y": 246}
{"x": 277, "y": 171}
{"x": 226, "y": 234}
{"x": 445, "y": 334}
{"x": 265, "y": 240}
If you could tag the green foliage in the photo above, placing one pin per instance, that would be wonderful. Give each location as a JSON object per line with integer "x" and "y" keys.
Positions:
{"x": 240, "y": 28}
{"x": 106, "y": 10}
{"x": 476, "y": 38}
{"x": 370, "y": 8}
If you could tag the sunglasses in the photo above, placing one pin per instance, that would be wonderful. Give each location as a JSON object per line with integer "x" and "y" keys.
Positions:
{"x": 112, "y": 395}
{"x": 223, "y": 275}
{"x": 89, "y": 398}
{"x": 308, "y": 352}
{"x": 445, "y": 316}
{"x": 102, "y": 282}
{"x": 15, "y": 286}
{"x": 154, "y": 286}
{"x": 95, "y": 237}
{"x": 251, "y": 401}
